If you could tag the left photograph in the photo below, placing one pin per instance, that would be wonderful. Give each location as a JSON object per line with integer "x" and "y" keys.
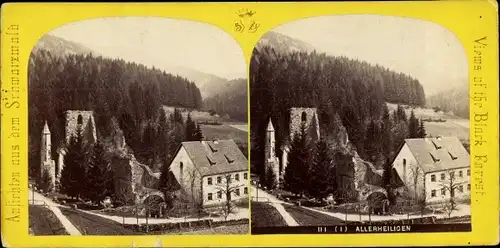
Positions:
{"x": 137, "y": 126}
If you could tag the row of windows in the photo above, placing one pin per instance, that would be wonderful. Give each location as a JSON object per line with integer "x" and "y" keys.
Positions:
{"x": 219, "y": 178}
{"x": 452, "y": 174}
{"x": 444, "y": 190}
{"x": 237, "y": 192}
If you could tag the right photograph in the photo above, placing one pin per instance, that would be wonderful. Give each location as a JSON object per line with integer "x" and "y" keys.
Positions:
{"x": 359, "y": 124}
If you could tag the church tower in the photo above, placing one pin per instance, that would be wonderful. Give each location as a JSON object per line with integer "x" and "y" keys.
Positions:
{"x": 46, "y": 143}
{"x": 47, "y": 163}
{"x": 271, "y": 161}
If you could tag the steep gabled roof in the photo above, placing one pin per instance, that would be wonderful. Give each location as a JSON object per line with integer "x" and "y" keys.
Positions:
{"x": 270, "y": 126}
{"x": 436, "y": 154}
{"x": 46, "y": 129}
{"x": 216, "y": 157}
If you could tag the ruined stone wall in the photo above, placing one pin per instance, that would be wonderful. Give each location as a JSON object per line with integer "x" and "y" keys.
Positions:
{"x": 309, "y": 117}
{"x": 122, "y": 172}
{"x": 87, "y": 124}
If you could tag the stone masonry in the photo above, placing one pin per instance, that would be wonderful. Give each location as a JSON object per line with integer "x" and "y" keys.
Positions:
{"x": 308, "y": 117}
{"x": 271, "y": 161}
{"x": 84, "y": 120}
{"x": 47, "y": 165}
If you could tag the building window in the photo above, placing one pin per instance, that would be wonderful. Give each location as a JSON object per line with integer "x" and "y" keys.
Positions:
{"x": 219, "y": 194}
{"x": 461, "y": 188}
{"x": 209, "y": 181}
{"x": 443, "y": 191}
{"x": 237, "y": 192}
{"x": 219, "y": 179}
{"x": 245, "y": 191}
{"x": 245, "y": 176}
{"x": 468, "y": 187}
{"x": 442, "y": 176}
{"x": 209, "y": 196}
{"x": 304, "y": 116}
{"x": 433, "y": 193}
{"x": 452, "y": 174}
{"x": 433, "y": 178}
{"x": 461, "y": 174}
{"x": 80, "y": 120}
{"x": 468, "y": 172}
{"x": 237, "y": 177}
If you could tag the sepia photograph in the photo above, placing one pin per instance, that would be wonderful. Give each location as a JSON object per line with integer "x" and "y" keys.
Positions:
{"x": 359, "y": 123}
{"x": 138, "y": 125}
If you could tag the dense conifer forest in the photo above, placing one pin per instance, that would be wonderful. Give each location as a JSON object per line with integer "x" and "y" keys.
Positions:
{"x": 340, "y": 88}
{"x": 131, "y": 93}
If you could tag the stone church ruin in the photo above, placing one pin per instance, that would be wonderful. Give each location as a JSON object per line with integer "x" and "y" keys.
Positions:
{"x": 356, "y": 179}
{"x": 133, "y": 181}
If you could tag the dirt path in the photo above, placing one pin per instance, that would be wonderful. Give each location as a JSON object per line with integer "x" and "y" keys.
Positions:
{"x": 276, "y": 203}
{"x": 54, "y": 207}
{"x": 462, "y": 210}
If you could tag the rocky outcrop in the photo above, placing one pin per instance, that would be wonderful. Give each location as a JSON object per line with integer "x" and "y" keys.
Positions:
{"x": 131, "y": 177}
{"x": 367, "y": 179}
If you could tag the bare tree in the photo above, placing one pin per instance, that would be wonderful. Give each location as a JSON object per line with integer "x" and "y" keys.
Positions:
{"x": 193, "y": 179}
{"x": 450, "y": 184}
{"x": 415, "y": 186}
{"x": 226, "y": 187}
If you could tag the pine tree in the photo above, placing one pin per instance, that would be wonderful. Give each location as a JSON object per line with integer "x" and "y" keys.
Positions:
{"x": 413, "y": 126}
{"x": 320, "y": 171}
{"x": 421, "y": 129}
{"x": 387, "y": 138}
{"x": 149, "y": 144}
{"x": 97, "y": 183}
{"x": 387, "y": 180}
{"x": 163, "y": 141}
{"x": 190, "y": 129}
{"x": 372, "y": 141}
{"x": 401, "y": 113}
{"x": 73, "y": 172}
{"x": 198, "y": 134}
{"x": 177, "y": 117}
{"x": 270, "y": 179}
{"x": 299, "y": 159}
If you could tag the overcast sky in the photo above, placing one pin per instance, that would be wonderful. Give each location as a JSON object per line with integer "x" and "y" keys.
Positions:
{"x": 424, "y": 50}
{"x": 160, "y": 42}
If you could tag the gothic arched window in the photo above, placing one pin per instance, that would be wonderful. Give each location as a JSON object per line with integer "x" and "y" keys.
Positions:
{"x": 304, "y": 116}
{"x": 80, "y": 120}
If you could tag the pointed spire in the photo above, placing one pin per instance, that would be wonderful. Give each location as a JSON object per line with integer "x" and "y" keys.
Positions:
{"x": 46, "y": 128}
{"x": 270, "y": 127}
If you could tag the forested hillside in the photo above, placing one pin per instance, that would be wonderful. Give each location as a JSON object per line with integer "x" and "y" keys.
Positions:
{"x": 130, "y": 92}
{"x": 355, "y": 90}
{"x": 453, "y": 100}
{"x": 232, "y": 100}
